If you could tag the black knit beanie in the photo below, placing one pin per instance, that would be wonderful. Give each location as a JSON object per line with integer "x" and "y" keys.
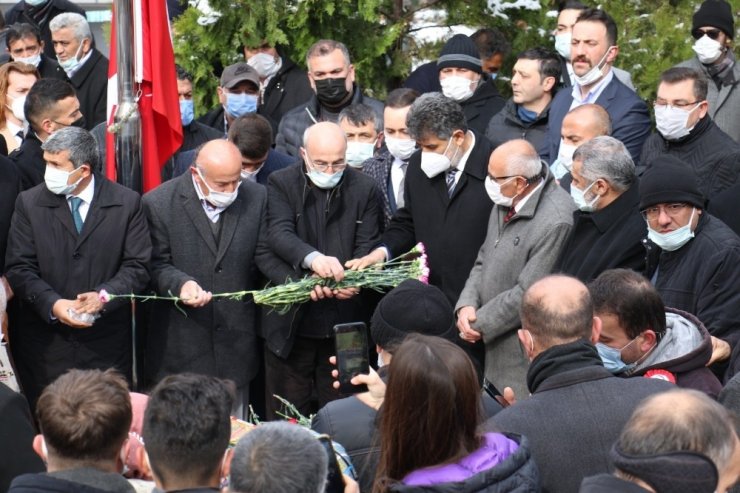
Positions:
{"x": 715, "y": 13}
{"x": 668, "y": 180}
{"x": 412, "y": 307}
{"x": 460, "y": 52}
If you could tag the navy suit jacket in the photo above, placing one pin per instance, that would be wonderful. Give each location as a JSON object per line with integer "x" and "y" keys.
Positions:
{"x": 629, "y": 115}
{"x": 275, "y": 161}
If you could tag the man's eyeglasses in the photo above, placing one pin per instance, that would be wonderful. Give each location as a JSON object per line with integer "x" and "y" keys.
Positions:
{"x": 712, "y": 33}
{"x": 651, "y": 214}
{"x": 661, "y": 103}
{"x": 323, "y": 168}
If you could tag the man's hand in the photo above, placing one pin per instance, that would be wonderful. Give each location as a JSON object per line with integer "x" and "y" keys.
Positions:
{"x": 60, "y": 310}
{"x": 375, "y": 385}
{"x": 375, "y": 257}
{"x": 721, "y": 351}
{"x": 350, "y": 485}
{"x": 89, "y": 303}
{"x": 346, "y": 293}
{"x": 328, "y": 267}
{"x": 321, "y": 292}
{"x": 193, "y": 295}
{"x": 8, "y": 290}
{"x": 466, "y": 316}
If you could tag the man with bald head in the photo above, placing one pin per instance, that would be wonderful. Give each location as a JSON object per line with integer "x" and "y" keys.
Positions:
{"x": 577, "y": 408}
{"x": 580, "y": 125}
{"x": 204, "y": 227}
{"x": 526, "y": 231}
{"x": 321, "y": 213}
{"x": 674, "y": 440}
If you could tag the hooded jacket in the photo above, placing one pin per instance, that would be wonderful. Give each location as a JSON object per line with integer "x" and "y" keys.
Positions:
{"x": 507, "y": 125}
{"x": 684, "y": 350}
{"x": 503, "y": 464}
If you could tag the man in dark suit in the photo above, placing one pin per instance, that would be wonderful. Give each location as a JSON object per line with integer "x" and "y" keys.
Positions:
{"x": 388, "y": 167}
{"x": 204, "y": 227}
{"x": 70, "y": 238}
{"x": 577, "y": 408}
{"x": 320, "y": 214}
{"x": 51, "y": 104}
{"x": 593, "y": 51}
{"x": 251, "y": 134}
{"x": 85, "y": 66}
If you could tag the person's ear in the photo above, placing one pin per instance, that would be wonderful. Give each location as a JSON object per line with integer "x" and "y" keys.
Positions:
{"x": 221, "y": 95}
{"x": 527, "y": 342}
{"x": 601, "y": 187}
{"x": 226, "y": 463}
{"x": 39, "y": 446}
{"x": 142, "y": 460}
{"x": 458, "y": 136}
{"x": 595, "y": 330}
{"x": 548, "y": 84}
{"x": 703, "y": 109}
{"x": 351, "y": 73}
{"x": 379, "y": 140}
{"x": 47, "y": 126}
{"x": 649, "y": 339}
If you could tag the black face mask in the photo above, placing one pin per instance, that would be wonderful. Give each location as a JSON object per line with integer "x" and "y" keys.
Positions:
{"x": 79, "y": 123}
{"x": 331, "y": 92}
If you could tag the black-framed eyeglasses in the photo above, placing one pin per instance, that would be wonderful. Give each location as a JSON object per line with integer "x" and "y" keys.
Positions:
{"x": 672, "y": 210}
{"x": 712, "y": 33}
{"x": 499, "y": 178}
{"x": 659, "y": 103}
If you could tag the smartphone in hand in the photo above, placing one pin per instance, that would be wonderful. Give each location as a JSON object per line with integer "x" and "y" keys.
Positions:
{"x": 352, "y": 355}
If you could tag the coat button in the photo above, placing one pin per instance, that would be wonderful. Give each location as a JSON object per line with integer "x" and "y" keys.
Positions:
{"x": 77, "y": 255}
{"x": 219, "y": 269}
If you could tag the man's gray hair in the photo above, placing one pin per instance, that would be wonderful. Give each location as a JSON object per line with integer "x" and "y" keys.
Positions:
{"x": 278, "y": 458}
{"x": 606, "y": 158}
{"x": 435, "y": 115}
{"x": 82, "y": 147}
{"x": 324, "y": 47}
{"x": 76, "y": 22}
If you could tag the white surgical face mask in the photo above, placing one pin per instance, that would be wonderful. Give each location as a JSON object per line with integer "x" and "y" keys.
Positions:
{"x": 251, "y": 175}
{"x": 17, "y": 107}
{"x": 220, "y": 200}
{"x": 707, "y": 50}
{"x": 493, "y": 189}
{"x": 564, "y": 162}
{"x": 675, "y": 239}
{"x": 265, "y": 65}
{"x": 400, "y": 148}
{"x": 671, "y": 122}
{"x": 457, "y": 87}
{"x": 31, "y": 60}
{"x": 433, "y": 163}
{"x": 56, "y": 180}
{"x": 580, "y": 198}
{"x": 595, "y": 74}
{"x": 562, "y": 44}
{"x": 359, "y": 152}
{"x": 70, "y": 64}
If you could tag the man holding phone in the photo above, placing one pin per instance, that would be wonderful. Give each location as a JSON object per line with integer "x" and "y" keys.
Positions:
{"x": 320, "y": 214}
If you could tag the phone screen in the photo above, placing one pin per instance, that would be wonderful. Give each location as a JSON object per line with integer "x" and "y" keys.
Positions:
{"x": 352, "y": 357}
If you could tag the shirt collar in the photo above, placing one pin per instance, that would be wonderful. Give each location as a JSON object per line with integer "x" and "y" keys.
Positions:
{"x": 87, "y": 194}
{"x": 464, "y": 159}
{"x": 518, "y": 207}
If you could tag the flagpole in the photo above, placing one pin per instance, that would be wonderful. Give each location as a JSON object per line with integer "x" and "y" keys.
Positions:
{"x": 127, "y": 118}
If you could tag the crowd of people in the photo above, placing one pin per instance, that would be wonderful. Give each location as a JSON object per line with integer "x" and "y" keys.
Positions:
{"x": 577, "y": 331}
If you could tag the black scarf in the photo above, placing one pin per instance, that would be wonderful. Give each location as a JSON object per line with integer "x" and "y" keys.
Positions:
{"x": 559, "y": 359}
{"x": 722, "y": 73}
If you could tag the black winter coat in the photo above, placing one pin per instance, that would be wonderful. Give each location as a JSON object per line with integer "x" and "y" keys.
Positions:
{"x": 506, "y": 125}
{"x": 290, "y": 131}
{"x": 29, "y": 161}
{"x": 610, "y": 238}
{"x": 482, "y": 105}
{"x": 713, "y": 155}
{"x": 91, "y": 84}
{"x": 286, "y": 90}
{"x": 701, "y": 277}
{"x": 351, "y": 226}
{"x": 452, "y": 229}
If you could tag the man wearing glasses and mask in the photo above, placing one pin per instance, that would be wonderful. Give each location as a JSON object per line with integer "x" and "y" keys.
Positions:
{"x": 713, "y": 28}
{"x": 320, "y": 214}
{"x": 686, "y": 131}
{"x": 693, "y": 258}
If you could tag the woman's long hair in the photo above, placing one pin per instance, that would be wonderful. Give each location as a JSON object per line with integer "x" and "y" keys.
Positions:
{"x": 431, "y": 411}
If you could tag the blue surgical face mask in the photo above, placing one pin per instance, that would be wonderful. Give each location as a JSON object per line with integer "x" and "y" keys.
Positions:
{"x": 240, "y": 104}
{"x": 186, "y": 112}
{"x": 612, "y": 358}
{"x": 325, "y": 180}
{"x": 675, "y": 239}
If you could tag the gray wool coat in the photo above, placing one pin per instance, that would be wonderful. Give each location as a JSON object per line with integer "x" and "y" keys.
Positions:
{"x": 219, "y": 339}
{"x": 513, "y": 257}
{"x": 724, "y": 103}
